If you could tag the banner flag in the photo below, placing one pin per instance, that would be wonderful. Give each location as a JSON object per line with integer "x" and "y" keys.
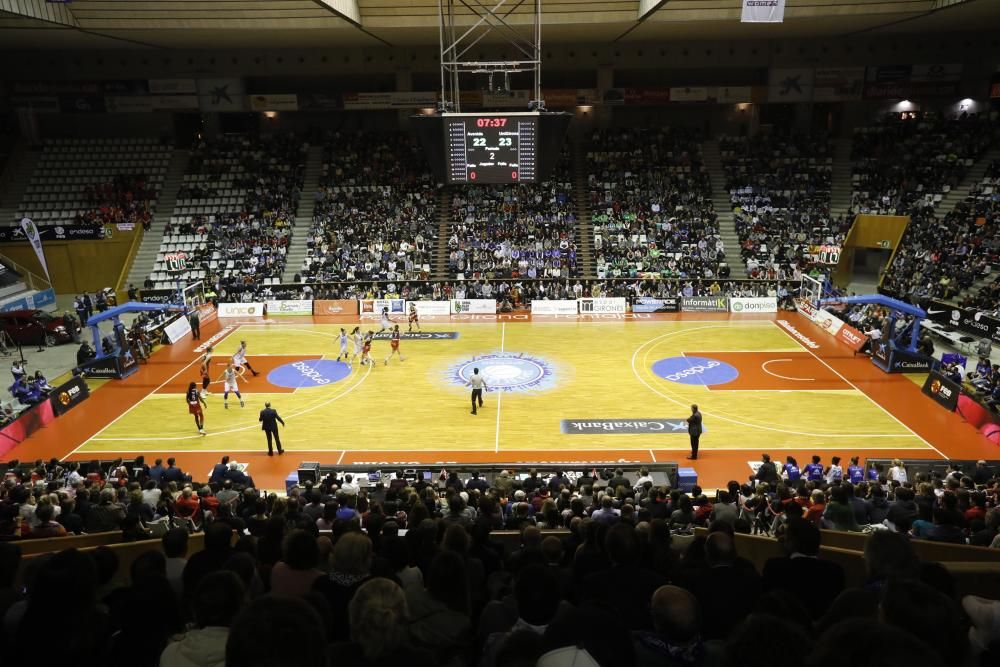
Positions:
{"x": 31, "y": 233}
{"x": 763, "y": 11}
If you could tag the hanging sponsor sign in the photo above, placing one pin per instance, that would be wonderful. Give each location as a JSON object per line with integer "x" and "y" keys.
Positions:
{"x": 335, "y": 307}
{"x": 390, "y": 100}
{"x": 705, "y": 304}
{"x": 790, "y": 85}
{"x": 944, "y": 392}
{"x": 150, "y": 103}
{"x": 430, "y": 307}
{"x": 838, "y": 84}
{"x": 588, "y": 305}
{"x": 241, "y": 309}
{"x": 763, "y": 11}
{"x": 474, "y": 306}
{"x": 173, "y": 87}
{"x": 734, "y": 94}
{"x": 517, "y": 99}
{"x": 279, "y": 307}
{"x": 274, "y": 102}
{"x": 972, "y": 322}
{"x": 67, "y": 396}
{"x": 553, "y": 307}
{"x": 689, "y": 94}
{"x": 763, "y": 304}
{"x": 648, "y": 304}
{"x": 221, "y": 94}
{"x": 37, "y": 103}
{"x": 936, "y": 72}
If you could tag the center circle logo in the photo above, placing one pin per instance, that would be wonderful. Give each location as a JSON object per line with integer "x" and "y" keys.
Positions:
{"x": 308, "y": 373}
{"x": 695, "y": 370}
{"x": 505, "y": 372}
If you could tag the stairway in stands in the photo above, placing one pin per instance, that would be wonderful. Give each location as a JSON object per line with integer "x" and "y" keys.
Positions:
{"x": 439, "y": 254}
{"x": 585, "y": 260}
{"x": 720, "y": 201}
{"x": 14, "y": 181}
{"x": 145, "y": 257}
{"x": 841, "y": 187}
{"x": 298, "y": 246}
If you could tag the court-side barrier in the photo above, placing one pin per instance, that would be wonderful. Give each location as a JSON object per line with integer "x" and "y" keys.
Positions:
{"x": 832, "y": 325}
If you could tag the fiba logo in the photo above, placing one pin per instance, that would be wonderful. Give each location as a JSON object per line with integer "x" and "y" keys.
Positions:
{"x": 505, "y": 372}
{"x": 936, "y": 387}
{"x": 64, "y": 398}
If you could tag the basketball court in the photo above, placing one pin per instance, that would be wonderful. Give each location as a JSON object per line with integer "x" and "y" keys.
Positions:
{"x": 603, "y": 389}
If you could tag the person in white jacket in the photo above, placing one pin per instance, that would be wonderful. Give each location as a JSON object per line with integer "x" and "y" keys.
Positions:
{"x": 217, "y": 600}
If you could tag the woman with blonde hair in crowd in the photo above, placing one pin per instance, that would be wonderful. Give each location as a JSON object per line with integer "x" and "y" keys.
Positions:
{"x": 897, "y": 473}
{"x": 379, "y": 623}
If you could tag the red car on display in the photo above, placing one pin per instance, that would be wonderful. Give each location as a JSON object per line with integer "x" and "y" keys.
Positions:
{"x": 32, "y": 327}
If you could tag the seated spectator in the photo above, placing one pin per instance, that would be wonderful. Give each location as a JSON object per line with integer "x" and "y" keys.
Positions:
{"x": 277, "y": 632}
{"x": 814, "y": 582}
{"x": 676, "y": 636}
{"x": 440, "y": 611}
{"x": 726, "y": 590}
{"x": 295, "y": 573}
{"x": 219, "y": 598}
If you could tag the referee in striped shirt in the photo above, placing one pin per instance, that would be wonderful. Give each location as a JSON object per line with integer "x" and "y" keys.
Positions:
{"x": 478, "y": 384}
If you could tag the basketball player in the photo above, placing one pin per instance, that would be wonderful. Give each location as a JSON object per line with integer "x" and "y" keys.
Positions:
{"x": 366, "y": 356}
{"x": 195, "y": 402}
{"x": 386, "y": 322}
{"x": 240, "y": 359}
{"x": 359, "y": 343}
{"x": 229, "y": 385}
{"x": 414, "y": 317}
{"x": 394, "y": 345}
{"x": 206, "y": 362}
{"x": 343, "y": 344}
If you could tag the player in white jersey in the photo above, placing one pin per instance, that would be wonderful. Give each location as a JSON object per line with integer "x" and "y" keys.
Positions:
{"x": 342, "y": 338}
{"x": 386, "y": 322}
{"x": 359, "y": 343}
{"x": 240, "y": 360}
{"x": 229, "y": 385}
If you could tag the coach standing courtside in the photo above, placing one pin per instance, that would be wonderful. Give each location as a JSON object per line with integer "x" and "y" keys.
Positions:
{"x": 269, "y": 424}
{"x": 478, "y": 384}
{"x": 694, "y": 430}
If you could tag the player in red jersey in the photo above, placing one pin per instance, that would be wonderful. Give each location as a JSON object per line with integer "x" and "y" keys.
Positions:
{"x": 394, "y": 345}
{"x": 366, "y": 357}
{"x": 414, "y": 317}
{"x": 206, "y": 361}
{"x": 195, "y": 403}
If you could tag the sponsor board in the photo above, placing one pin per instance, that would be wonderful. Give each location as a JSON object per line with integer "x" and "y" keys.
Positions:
{"x": 241, "y": 309}
{"x": 179, "y": 327}
{"x": 806, "y": 308}
{"x": 281, "y": 307}
{"x": 219, "y": 335}
{"x": 374, "y": 307}
{"x": 972, "y": 322}
{"x": 474, "y": 306}
{"x": 902, "y": 361}
{"x": 705, "y": 304}
{"x": 158, "y": 296}
{"x": 553, "y": 307}
{"x": 764, "y": 304}
{"x": 53, "y": 233}
{"x": 590, "y": 305}
{"x": 624, "y": 426}
{"x": 335, "y": 307}
{"x": 646, "y": 304}
{"x": 828, "y": 322}
{"x": 851, "y": 337}
{"x": 67, "y": 396}
{"x": 944, "y": 392}
{"x": 798, "y": 335}
{"x": 430, "y": 307}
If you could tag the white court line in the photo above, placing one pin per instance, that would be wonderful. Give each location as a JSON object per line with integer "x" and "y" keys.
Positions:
{"x": 503, "y": 336}
{"x": 763, "y": 367}
{"x": 240, "y": 428}
{"x": 894, "y": 417}
{"x": 341, "y": 458}
{"x": 652, "y": 455}
{"x": 722, "y": 416}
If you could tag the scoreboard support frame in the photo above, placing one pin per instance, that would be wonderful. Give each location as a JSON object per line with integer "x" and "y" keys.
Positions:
{"x": 458, "y": 38}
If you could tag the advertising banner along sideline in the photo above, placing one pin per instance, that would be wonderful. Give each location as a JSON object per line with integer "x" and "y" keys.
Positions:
{"x": 474, "y": 306}
{"x": 431, "y": 307}
{"x": 335, "y": 307}
{"x": 241, "y": 309}
{"x": 601, "y": 305}
{"x": 765, "y": 304}
{"x": 553, "y": 307}
{"x": 289, "y": 307}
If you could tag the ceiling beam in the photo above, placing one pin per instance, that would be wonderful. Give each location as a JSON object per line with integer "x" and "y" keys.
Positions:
{"x": 41, "y": 11}
{"x": 350, "y": 12}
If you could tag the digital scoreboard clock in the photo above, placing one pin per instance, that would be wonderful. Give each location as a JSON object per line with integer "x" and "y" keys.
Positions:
{"x": 491, "y": 148}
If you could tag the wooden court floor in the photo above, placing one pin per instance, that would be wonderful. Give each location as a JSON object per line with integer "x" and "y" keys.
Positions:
{"x": 562, "y": 390}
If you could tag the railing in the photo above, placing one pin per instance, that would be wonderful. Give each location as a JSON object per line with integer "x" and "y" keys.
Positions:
{"x": 31, "y": 279}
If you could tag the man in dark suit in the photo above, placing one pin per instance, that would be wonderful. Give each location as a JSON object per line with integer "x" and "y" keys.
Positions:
{"x": 816, "y": 583}
{"x": 218, "y": 475}
{"x": 156, "y": 472}
{"x": 694, "y": 431}
{"x": 767, "y": 472}
{"x": 173, "y": 473}
{"x": 269, "y": 420}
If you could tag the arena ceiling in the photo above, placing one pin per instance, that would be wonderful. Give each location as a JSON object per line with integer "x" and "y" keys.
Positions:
{"x": 276, "y": 24}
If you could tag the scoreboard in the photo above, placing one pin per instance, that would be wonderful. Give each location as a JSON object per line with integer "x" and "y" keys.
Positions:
{"x": 491, "y": 147}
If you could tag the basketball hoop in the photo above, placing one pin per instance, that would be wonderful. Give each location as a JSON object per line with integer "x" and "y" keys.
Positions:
{"x": 176, "y": 262}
